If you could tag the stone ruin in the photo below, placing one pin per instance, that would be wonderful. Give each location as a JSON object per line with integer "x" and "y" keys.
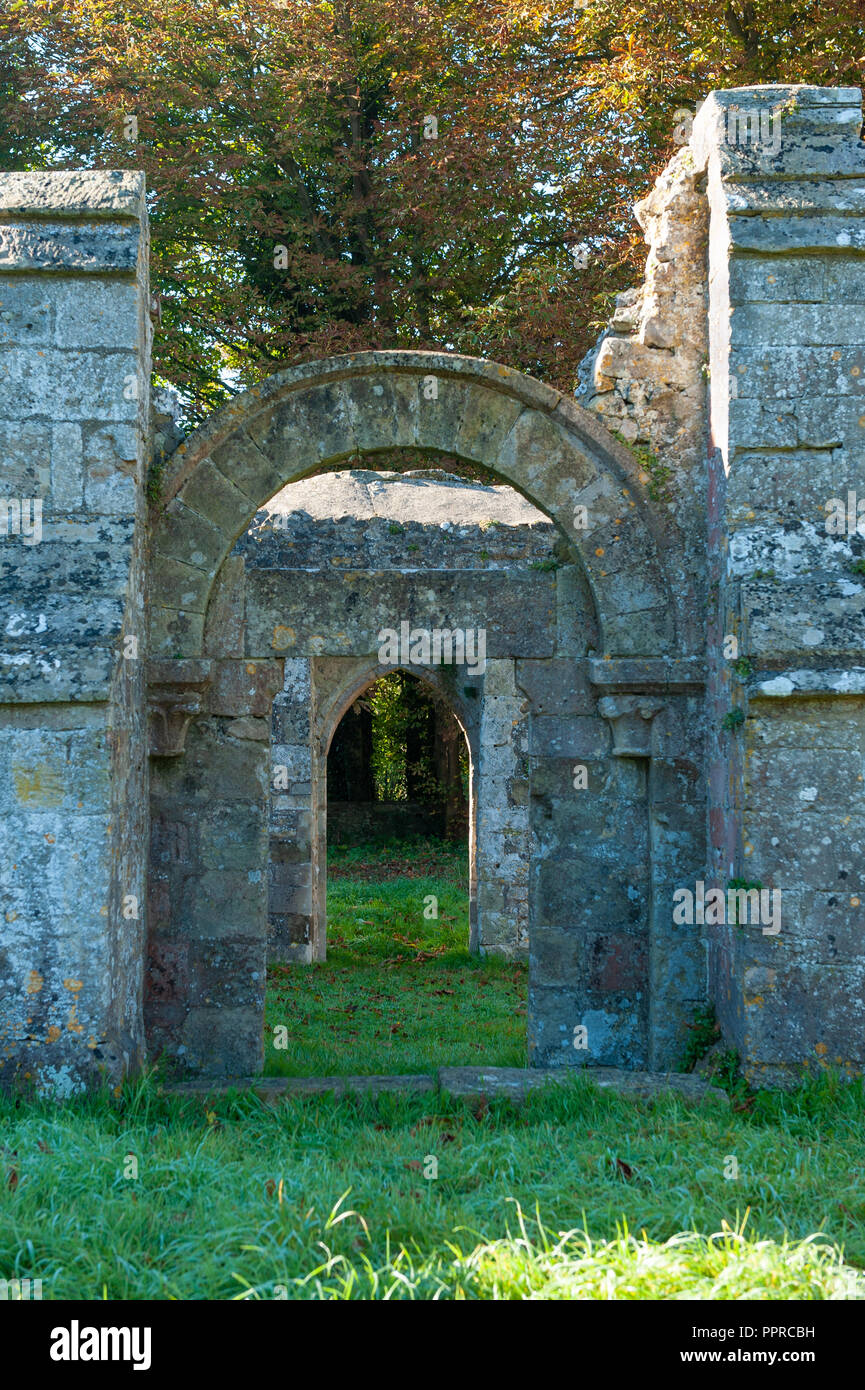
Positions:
{"x": 667, "y": 730}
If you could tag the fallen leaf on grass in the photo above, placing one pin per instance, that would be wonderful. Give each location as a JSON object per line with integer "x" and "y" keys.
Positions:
{"x": 625, "y": 1169}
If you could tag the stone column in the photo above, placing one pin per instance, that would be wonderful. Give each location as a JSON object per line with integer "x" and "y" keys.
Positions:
{"x": 74, "y": 401}
{"x": 291, "y": 934}
{"x": 503, "y": 832}
{"x": 656, "y": 714}
{"x": 785, "y": 171}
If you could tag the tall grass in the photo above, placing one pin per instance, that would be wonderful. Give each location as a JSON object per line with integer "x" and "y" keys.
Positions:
{"x": 399, "y": 991}
{"x": 578, "y": 1193}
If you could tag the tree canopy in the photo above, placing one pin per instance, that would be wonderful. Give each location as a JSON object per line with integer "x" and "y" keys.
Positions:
{"x": 331, "y": 177}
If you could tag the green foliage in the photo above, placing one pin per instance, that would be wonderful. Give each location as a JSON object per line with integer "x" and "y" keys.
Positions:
{"x": 744, "y": 668}
{"x": 397, "y": 711}
{"x": 733, "y": 719}
{"x": 155, "y": 481}
{"x": 858, "y": 566}
{"x": 703, "y": 1032}
{"x": 726, "y": 1072}
{"x": 658, "y": 475}
{"x": 403, "y": 742}
{"x": 747, "y": 885}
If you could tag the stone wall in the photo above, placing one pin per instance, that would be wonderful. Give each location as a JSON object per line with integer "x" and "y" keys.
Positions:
{"x": 755, "y": 278}
{"x": 647, "y": 376}
{"x": 74, "y": 387}
{"x": 787, "y": 796}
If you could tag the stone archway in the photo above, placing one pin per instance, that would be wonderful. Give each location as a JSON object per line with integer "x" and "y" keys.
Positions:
{"x": 589, "y": 877}
{"x": 554, "y": 452}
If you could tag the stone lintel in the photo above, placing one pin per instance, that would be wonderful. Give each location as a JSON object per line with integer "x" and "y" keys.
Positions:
{"x": 647, "y": 675}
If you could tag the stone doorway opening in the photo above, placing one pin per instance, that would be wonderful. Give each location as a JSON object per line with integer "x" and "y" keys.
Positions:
{"x": 400, "y": 789}
{"x": 397, "y": 984}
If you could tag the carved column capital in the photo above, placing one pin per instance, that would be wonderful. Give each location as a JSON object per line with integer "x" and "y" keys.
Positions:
{"x": 175, "y": 692}
{"x": 630, "y": 719}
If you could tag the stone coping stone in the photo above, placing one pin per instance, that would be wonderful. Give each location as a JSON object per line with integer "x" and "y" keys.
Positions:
{"x": 273, "y": 1088}
{"x": 514, "y": 1083}
{"x": 79, "y": 193}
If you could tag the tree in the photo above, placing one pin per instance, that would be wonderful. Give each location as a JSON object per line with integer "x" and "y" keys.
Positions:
{"x": 330, "y": 177}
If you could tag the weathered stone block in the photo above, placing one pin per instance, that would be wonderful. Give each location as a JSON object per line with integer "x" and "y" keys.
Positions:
{"x": 244, "y": 687}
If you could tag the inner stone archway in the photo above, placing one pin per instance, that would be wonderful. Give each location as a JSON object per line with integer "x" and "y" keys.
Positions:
{"x": 317, "y": 695}
{"x": 330, "y": 718}
{"x": 329, "y": 564}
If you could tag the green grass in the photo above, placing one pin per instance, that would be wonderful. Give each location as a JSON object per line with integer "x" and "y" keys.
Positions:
{"x": 578, "y": 1194}
{"x": 399, "y": 992}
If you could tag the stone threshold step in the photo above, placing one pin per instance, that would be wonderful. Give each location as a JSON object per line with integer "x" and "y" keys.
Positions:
{"x": 473, "y": 1082}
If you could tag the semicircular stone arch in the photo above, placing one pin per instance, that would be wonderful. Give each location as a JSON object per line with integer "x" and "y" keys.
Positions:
{"x": 364, "y": 674}
{"x": 542, "y": 443}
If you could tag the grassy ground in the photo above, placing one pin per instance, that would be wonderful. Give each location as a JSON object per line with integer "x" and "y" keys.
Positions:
{"x": 398, "y": 992}
{"x": 578, "y": 1194}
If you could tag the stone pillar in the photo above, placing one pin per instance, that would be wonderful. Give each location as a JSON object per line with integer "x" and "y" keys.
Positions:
{"x": 74, "y": 402}
{"x": 207, "y": 917}
{"x": 291, "y": 934}
{"x": 503, "y": 833}
{"x": 656, "y": 714}
{"x": 785, "y": 171}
